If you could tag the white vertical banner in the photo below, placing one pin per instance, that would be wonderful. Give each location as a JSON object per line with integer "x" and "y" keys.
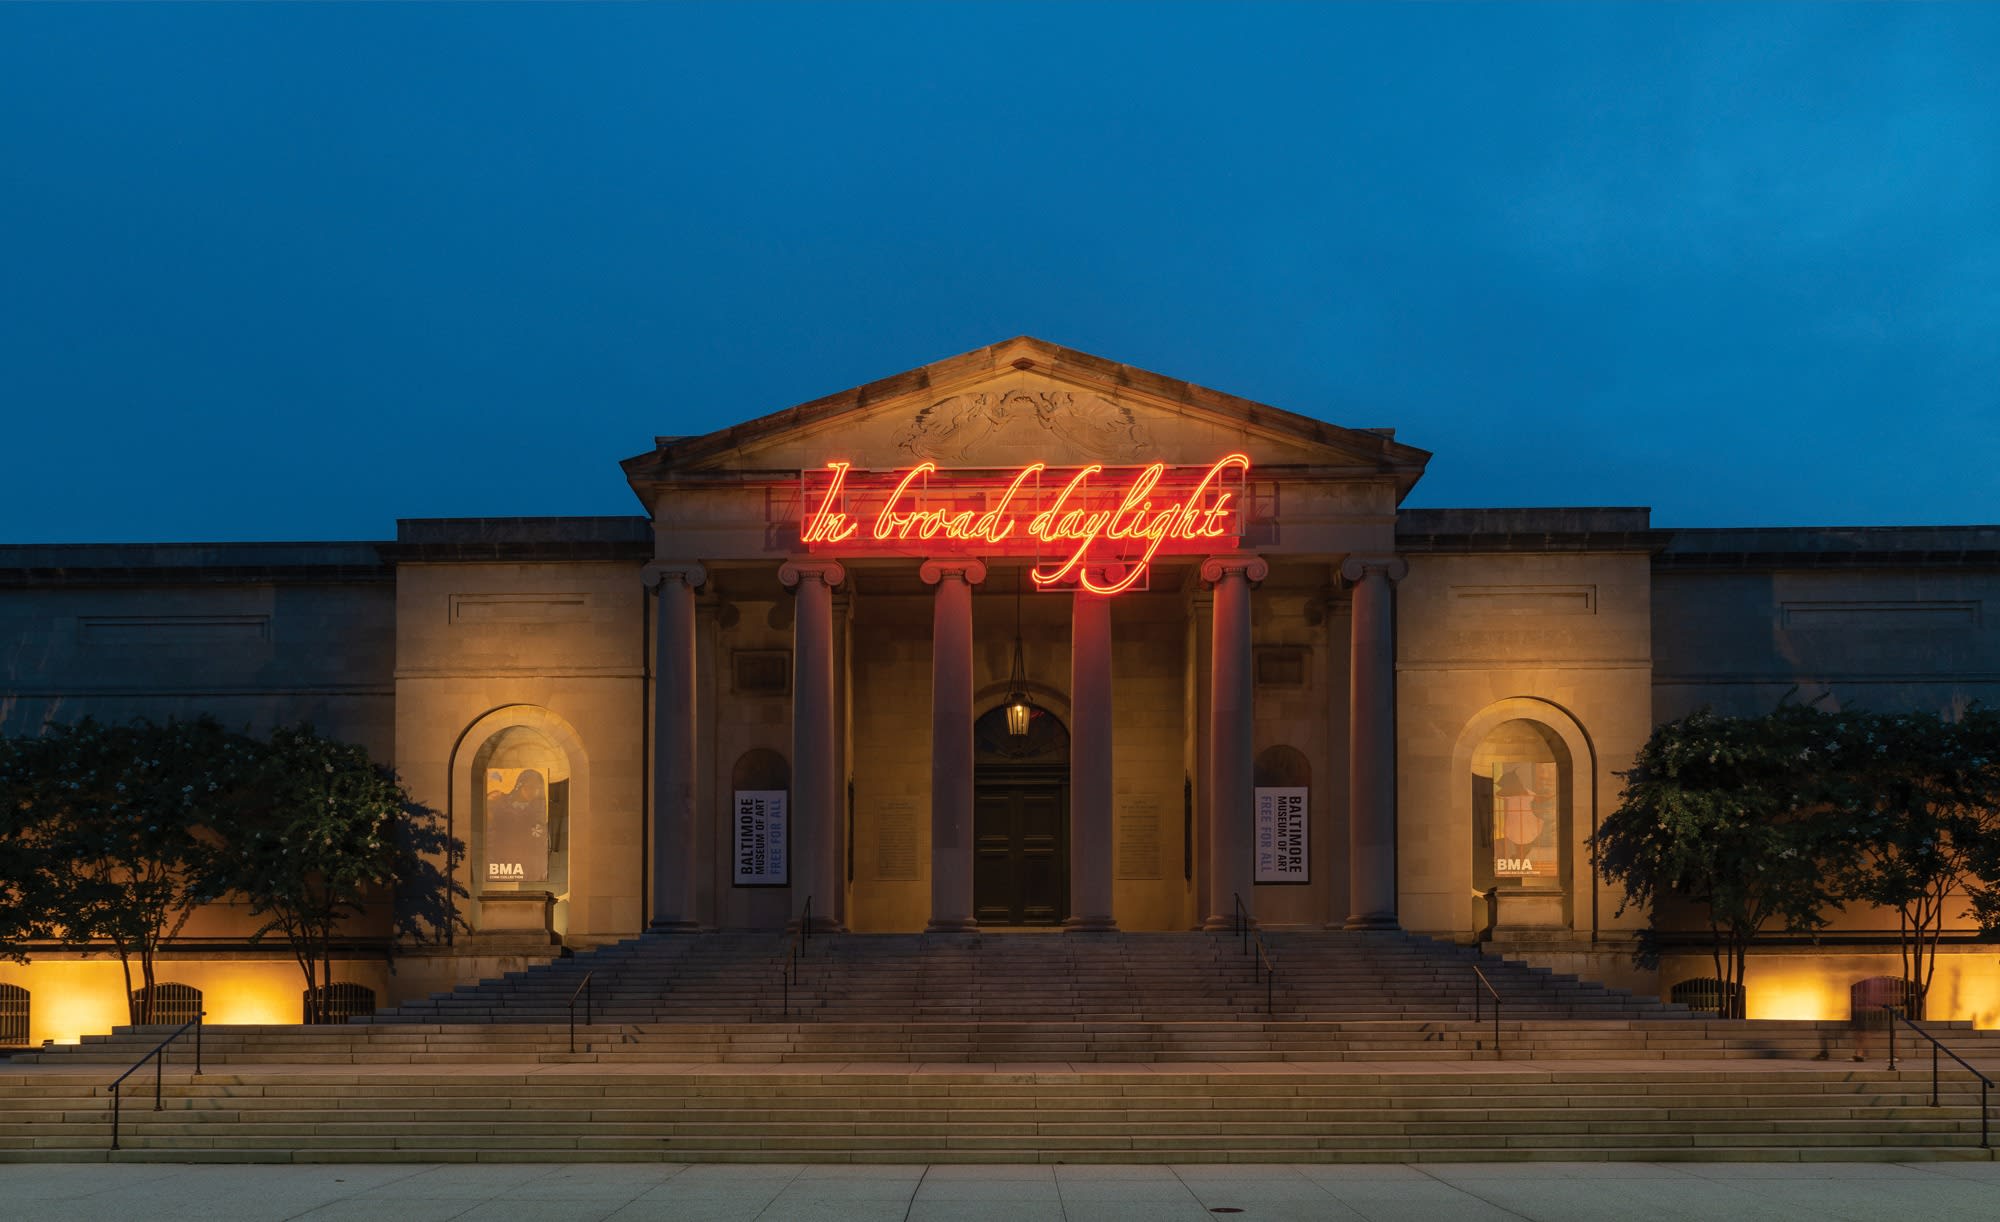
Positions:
{"x": 763, "y": 838}
{"x": 1283, "y": 853}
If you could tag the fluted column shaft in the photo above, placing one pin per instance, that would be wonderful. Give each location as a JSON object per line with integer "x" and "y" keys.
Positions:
{"x": 951, "y": 742}
{"x": 674, "y": 720}
{"x": 1090, "y": 779}
{"x": 1232, "y": 709}
{"x": 1371, "y": 736}
{"x": 816, "y": 789}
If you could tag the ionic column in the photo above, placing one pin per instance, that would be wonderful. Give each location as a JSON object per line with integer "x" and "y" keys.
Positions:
{"x": 1371, "y": 739}
{"x": 1232, "y": 707}
{"x": 951, "y": 741}
{"x": 674, "y": 723}
{"x": 816, "y": 789}
{"x": 1090, "y": 794}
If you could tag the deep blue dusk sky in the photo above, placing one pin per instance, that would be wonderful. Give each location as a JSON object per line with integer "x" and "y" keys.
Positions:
{"x": 289, "y": 271}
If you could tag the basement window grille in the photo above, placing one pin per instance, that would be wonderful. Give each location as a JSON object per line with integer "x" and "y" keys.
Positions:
{"x": 13, "y": 1016}
{"x": 173, "y": 1004}
{"x": 1710, "y": 995}
{"x": 341, "y": 1001}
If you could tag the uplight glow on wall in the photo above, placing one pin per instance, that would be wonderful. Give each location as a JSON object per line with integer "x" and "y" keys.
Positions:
{"x": 1095, "y": 526}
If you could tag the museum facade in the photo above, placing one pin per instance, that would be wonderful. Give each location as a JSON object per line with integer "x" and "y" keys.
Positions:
{"x": 1022, "y": 640}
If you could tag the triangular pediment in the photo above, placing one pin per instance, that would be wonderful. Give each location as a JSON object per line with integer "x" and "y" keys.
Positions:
{"x": 1022, "y": 401}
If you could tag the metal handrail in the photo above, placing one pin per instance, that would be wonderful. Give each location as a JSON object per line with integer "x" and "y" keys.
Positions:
{"x": 583, "y": 990}
{"x": 1476, "y": 1005}
{"x": 159, "y": 1059}
{"x": 1896, "y": 1015}
{"x": 1266, "y": 968}
{"x": 788, "y": 973}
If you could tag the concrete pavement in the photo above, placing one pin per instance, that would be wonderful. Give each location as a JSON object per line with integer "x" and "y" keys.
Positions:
{"x": 1474, "y": 1192}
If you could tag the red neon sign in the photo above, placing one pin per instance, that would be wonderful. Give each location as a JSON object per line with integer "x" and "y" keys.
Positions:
{"x": 1071, "y": 521}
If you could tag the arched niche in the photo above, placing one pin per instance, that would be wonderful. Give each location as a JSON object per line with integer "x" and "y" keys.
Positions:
{"x": 1283, "y": 767}
{"x": 756, "y": 820}
{"x": 1282, "y": 849}
{"x": 520, "y": 813}
{"x": 761, "y": 768}
{"x": 1522, "y": 788}
{"x": 517, "y": 769}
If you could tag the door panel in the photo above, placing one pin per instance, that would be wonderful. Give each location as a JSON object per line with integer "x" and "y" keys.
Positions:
{"x": 1020, "y": 850}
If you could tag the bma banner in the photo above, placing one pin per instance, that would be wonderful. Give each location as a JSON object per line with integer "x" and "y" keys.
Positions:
{"x": 763, "y": 833}
{"x": 1283, "y": 855}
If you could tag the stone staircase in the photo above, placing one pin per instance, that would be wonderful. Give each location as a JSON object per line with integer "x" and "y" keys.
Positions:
{"x": 1077, "y": 1048}
{"x": 1189, "y": 977}
{"x": 245, "y": 1115}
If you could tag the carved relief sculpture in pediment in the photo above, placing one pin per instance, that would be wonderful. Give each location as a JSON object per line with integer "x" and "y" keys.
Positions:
{"x": 968, "y": 428}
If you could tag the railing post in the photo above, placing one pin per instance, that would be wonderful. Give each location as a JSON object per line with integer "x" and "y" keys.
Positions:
{"x": 199, "y": 1016}
{"x": 159, "y": 1072}
{"x": 114, "y": 1115}
{"x": 1893, "y": 1016}
{"x": 1934, "y": 1073}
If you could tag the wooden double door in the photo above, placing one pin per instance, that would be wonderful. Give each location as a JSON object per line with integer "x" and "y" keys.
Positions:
{"x": 1020, "y": 836}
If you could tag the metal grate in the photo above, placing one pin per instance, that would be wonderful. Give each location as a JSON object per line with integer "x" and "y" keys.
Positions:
{"x": 1718, "y": 997}
{"x": 173, "y": 1004}
{"x": 1866, "y": 999}
{"x": 343, "y": 1000}
{"x": 13, "y": 1016}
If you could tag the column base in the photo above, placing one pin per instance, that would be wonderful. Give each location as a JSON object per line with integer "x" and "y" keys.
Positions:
{"x": 674, "y": 926}
{"x": 952, "y": 925}
{"x": 820, "y": 925}
{"x": 1219, "y": 924}
{"x": 1091, "y": 924}
{"x": 1371, "y": 920}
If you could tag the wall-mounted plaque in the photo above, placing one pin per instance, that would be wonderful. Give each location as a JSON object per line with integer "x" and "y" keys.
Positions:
{"x": 896, "y": 840}
{"x": 763, "y": 830}
{"x": 1139, "y": 836}
{"x": 1284, "y": 854}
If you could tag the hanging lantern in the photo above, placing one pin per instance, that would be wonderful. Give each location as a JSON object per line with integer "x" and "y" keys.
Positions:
{"x": 1017, "y": 682}
{"x": 1017, "y": 697}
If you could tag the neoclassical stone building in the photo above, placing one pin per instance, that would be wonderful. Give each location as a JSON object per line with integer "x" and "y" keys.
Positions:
{"x": 1020, "y": 640}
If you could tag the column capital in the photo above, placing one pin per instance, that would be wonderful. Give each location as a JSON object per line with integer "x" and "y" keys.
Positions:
{"x": 970, "y": 569}
{"x": 1253, "y": 567}
{"x": 791, "y": 572}
{"x": 1357, "y": 568}
{"x": 693, "y": 574}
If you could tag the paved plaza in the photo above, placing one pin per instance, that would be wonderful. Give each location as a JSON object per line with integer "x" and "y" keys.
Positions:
{"x": 1460, "y": 1192}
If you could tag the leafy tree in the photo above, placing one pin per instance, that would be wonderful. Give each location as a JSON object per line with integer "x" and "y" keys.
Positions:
{"x": 1718, "y": 810}
{"x": 22, "y": 869}
{"x": 318, "y": 834}
{"x": 114, "y": 820}
{"x": 1920, "y": 800}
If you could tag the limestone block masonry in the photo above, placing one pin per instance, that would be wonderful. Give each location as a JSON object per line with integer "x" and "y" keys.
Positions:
{"x": 786, "y": 678}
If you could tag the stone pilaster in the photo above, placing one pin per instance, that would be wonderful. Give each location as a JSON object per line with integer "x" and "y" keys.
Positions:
{"x": 1371, "y": 736}
{"x": 816, "y": 789}
{"x": 674, "y": 724}
{"x": 951, "y": 741}
{"x": 1232, "y": 709}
